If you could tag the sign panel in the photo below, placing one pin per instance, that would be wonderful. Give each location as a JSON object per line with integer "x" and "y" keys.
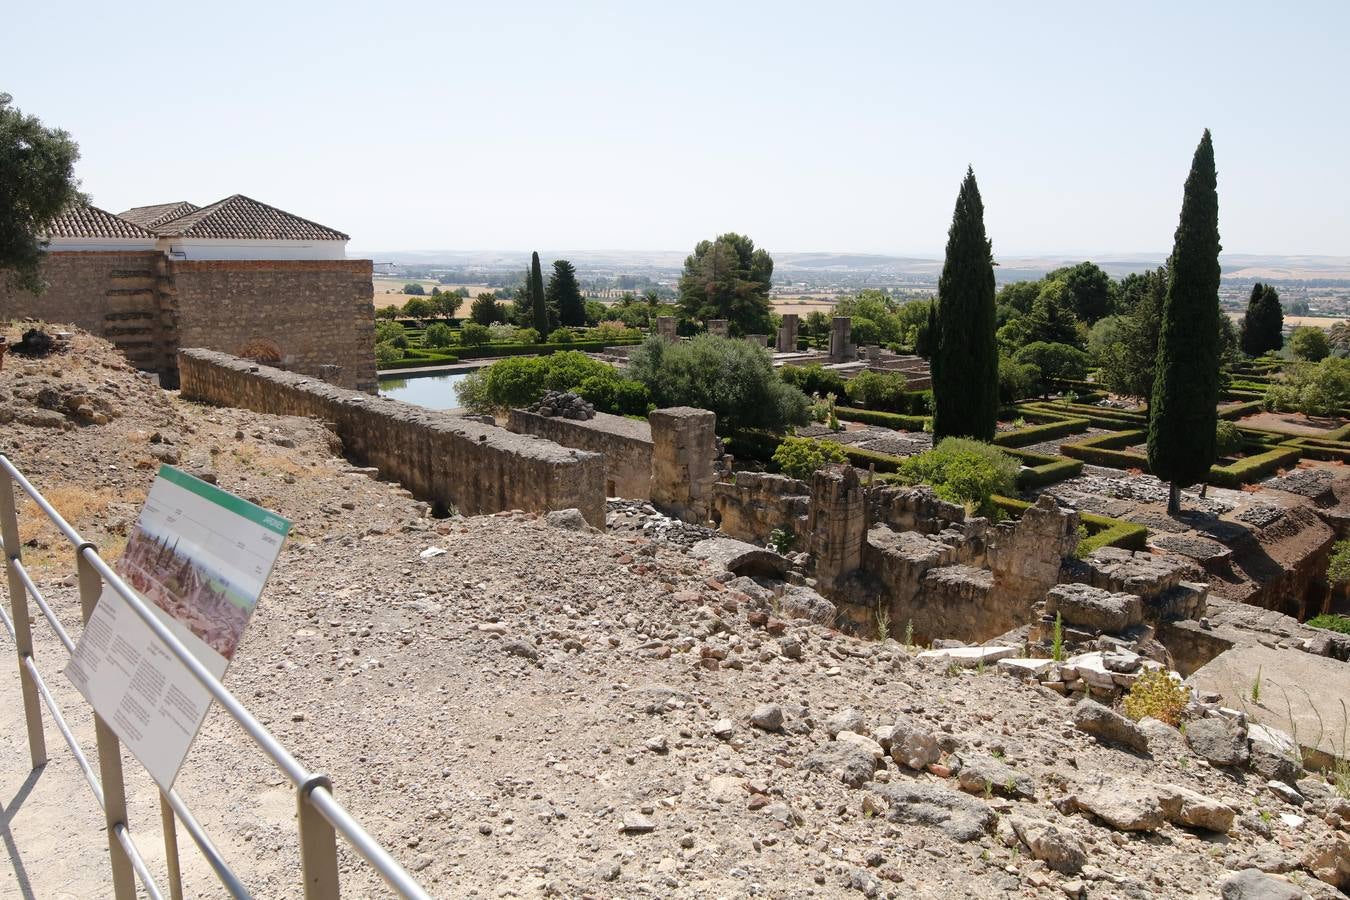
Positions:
{"x": 199, "y": 558}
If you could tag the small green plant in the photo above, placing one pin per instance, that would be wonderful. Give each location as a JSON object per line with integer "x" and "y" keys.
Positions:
{"x": 1156, "y": 694}
{"x": 1057, "y": 639}
{"x": 1267, "y": 816}
{"x": 1332, "y": 622}
{"x": 1019, "y": 422}
{"x": 996, "y": 753}
{"x": 1256, "y": 686}
{"x": 909, "y": 633}
{"x": 781, "y": 540}
{"x": 953, "y": 669}
{"x": 883, "y": 615}
{"x": 832, "y": 417}
{"x": 1082, "y": 548}
{"x": 801, "y": 457}
{"x": 988, "y": 789}
{"x": 979, "y": 666}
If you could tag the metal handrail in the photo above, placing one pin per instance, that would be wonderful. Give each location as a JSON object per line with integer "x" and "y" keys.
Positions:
{"x": 314, "y": 789}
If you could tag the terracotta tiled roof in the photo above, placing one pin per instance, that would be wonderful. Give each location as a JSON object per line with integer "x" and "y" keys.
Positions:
{"x": 240, "y": 218}
{"x": 150, "y": 216}
{"x": 82, "y": 221}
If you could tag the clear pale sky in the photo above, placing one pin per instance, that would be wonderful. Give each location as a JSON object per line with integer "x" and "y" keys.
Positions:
{"x": 842, "y": 126}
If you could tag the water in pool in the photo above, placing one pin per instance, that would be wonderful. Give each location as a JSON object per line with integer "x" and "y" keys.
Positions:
{"x": 431, "y": 391}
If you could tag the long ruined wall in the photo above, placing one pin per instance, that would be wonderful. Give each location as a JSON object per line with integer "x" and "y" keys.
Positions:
{"x": 626, "y": 444}
{"x": 437, "y": 456}
{"x": 318, "y": 312}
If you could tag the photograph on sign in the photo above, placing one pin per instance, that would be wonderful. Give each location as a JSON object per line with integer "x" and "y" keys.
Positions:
{"x": 199, "y": 557}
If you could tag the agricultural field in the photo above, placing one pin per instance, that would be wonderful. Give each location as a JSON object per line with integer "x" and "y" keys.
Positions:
{"x": 389, "y": 291}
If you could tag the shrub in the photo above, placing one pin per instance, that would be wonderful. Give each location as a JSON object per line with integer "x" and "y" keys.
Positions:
{"x": 607, "y": 332}
{"x": 1317, "y": 390}
{"x": 1309, "y": 343}
{"x": 813, "y": 379}
{"x": 801, "y": 457}
{"x": 386, "y": 331}
{"x": 520, "y": 381}
{"x": 963, "y": 471}
{"x": 1338, "y": 565}
{"x": 730, "y": 377}
{"x": 527, "y": 336}
{"x": 1157, "y": 694}
{"x": 612, "y": 394}
{"x": 884, "y": 419}
{"x": 413, "y": 289}
{"x": 472, "y": 334}
{"x": 1331, "y": 622}
{"x": 386, "y": 353}
{"x": 1228, "y": 440}
{"x": 387, "y": 312}
{"x": 502, "y": 334}
{"x": 438, "y": 334}
{"x": 1017, "y": 380}
{"x": 877, "y": 390}
{"x": 562, "y": 336}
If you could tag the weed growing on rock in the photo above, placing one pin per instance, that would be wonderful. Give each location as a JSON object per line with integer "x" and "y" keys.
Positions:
{"x": 1057, "y": 639}
{"x": 1156, "y": 694}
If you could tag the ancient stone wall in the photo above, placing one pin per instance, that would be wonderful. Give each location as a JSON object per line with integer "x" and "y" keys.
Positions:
{"x": 438, "y": 456}
{"x": 625, "y": 443}
{"x": 787, "y": 333}
{"x": 913, "y": 509}
{"x": 686, "y": 461}
{"x": 755, "y": 504}
{"x": 317, "y": 312}
{"x": 837, "y": 526}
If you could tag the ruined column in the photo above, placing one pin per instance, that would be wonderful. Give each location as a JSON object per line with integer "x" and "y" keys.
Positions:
{"x": 837, "y": 527}
{"x": 665, "y": 326}
{"x": 787, "y": 334}
{"x": 719, "y": 327}
{"x": 841, "y": 330}
{"x": 685, "y": 456}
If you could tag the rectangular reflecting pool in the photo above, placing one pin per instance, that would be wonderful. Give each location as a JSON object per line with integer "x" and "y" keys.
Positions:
{"x": 431, "y": 391}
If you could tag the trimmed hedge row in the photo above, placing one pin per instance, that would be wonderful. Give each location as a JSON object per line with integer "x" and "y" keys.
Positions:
{"x": 1097, "y": 416}
{"x": 417, "y": 362}
{"x": 1251, "y": 468}
{"x": 1105, "y": 450}
{"x": 1241, "y": 410}
{"x": 884, "y": 419}
{"x": 485, "y": 351}
{"x": 863, "y": 459}
{"x": 1034, "y": 434}
{"x": 1041, "y": 469}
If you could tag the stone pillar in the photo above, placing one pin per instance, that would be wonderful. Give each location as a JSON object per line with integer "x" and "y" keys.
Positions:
{"x": 837, "y": 527}
{"x": 665, "y": 326}
{"x": 787, "y": 334}
{"x": 841, "y": 329}
{"x": 1025, "y": 557}
{"x": 719, "y": 327}
{"x": 685, "y": 461}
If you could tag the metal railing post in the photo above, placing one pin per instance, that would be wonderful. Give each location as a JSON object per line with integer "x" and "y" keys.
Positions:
{"x": 170, "y": 827}
{"x": 109, "y": 750}
{"x": 23, "y": 632}
{"x": 318, "y": 843}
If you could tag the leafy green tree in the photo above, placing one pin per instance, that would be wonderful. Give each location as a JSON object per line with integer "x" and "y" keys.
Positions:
{"x": 728, "y": 279}
{"x": 1091, "y": 290}
{"x": 816, "y": 322}
{"x": 1320, "y": 389}
{"x": 37, "y": 182}
{"x": 878, "y": 390}
{"x": 538, "y": 300}
{"x": 1125, "y": 347}
{"x": 447, "y": 303}
{"x": 387, "y": 331}
{"x": 814, "y": 379}
{"x": 726, "y": 375}
{"x": 1263, "y": 324}
{"x": 965, "y": 360}
{"x": 596, "y": 312}
{"x": 564, "y": 294}
{"x": 485, "y": 310}
{"x": 912, "y": 318}
{"x": 387, "y": 312}
{"x": 1309, "y": 343}
{"x": 1054, "y": 361}
{"x": 438, "y": 334}
{"x": 417, "y": 308}
{"x": 474, "y": 334}
{"x": 1016, "y": 298}
{"x": 1182, "y": 415}
{"x": 1017, "y": 380}
{"x": 386, "y": 353}
{"x": 413, "y": 289}
{"x": 801, "y": 457}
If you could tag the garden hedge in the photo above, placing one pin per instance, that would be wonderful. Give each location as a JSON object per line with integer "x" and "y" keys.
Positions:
{"x": 1105, "y": 450}
{"x": 1042, "y": 469}
{"x": 1034, "y": 434}
{"x": 876, "y": 417}
{"x": 1250, "y": 468}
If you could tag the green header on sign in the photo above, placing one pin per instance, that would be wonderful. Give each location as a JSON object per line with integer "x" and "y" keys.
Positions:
{"x": 237, "y": 505}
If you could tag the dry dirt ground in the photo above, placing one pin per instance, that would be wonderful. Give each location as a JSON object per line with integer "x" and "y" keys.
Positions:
{"x": 540, "y": 711}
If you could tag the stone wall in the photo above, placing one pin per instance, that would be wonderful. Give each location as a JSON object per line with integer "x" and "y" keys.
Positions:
{"x": 122, "y": 296}
{"x": 686, "y": 461}
{"x": 439, "y": 457}
{"x": 837, "y": 526}
{"x": 317, "y": 312}
{"x": 755, "y": 504}
{"x": 625, "y": 443}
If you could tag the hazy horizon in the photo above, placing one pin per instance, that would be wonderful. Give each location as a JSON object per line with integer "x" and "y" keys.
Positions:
{"x": 593, "y": 126}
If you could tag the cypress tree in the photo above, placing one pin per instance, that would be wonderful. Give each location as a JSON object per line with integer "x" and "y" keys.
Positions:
{"x": 537, "y": 302}
{"x": 1272, "y": 317}
{"x": 965, "y": 356}
{"x": 564, "y": 294}
{"x": 1182, "y": 413}
{"x": 1263, "y": 323}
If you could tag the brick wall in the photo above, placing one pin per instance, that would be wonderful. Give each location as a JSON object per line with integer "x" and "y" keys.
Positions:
{"x": 437, "y": 456}
{"x": 625, "y": 443}
{"x": 318, "y": 312}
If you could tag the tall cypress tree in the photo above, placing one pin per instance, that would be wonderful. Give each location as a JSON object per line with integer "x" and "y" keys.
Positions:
{"x": 537, "y": 302}
{"x": 1273, "y": 317}
{"x": 965, "y": 356}
{"x": 1263, "y": 323}
{"x": 1182, "y": 414}
{"x": 564, "y": 294}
